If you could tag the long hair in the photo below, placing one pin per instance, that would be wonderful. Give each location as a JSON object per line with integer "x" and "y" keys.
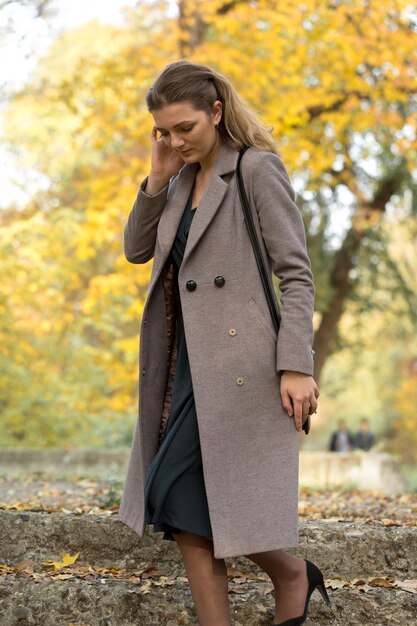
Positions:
{"x": 202, "y": 86}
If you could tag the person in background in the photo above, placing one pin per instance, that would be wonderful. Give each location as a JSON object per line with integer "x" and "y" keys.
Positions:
{"x": 341, "y": 440}
{"x": 364, "y": 438}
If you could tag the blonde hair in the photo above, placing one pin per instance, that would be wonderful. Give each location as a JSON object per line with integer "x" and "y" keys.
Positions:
{"x": 202, "y": 86}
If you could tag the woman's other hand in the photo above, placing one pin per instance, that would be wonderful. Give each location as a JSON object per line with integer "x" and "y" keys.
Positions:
{"x": 299, "y": 394}
{"x": 164, "y": 164}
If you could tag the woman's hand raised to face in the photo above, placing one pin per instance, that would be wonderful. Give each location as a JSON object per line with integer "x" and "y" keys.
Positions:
{"x": 299, "y": 394}
{"x": 164, "y": 164}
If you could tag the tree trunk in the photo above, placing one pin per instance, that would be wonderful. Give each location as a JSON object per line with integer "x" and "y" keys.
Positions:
{"x": 341, "y": 285}
{"x": 366, "y": 216}
{"x": 192, "y": 28}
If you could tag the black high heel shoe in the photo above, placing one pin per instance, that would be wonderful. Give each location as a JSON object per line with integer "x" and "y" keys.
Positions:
{"x": 315, "y": 580}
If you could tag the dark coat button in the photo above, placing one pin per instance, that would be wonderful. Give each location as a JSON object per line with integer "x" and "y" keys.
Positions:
{"x": 191, "y": 285}
{"x": 219, "y": 281}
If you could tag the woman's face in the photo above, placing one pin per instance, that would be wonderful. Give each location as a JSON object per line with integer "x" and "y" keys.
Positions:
{"x": 189, "y": 132}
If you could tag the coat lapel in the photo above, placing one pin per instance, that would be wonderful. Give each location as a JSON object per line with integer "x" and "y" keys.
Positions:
{"x": 212, "y": 198}
{"x": 208, "y": 207}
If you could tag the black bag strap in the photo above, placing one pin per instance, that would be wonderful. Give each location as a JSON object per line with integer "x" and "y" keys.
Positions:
{"x": 270, "y": 296}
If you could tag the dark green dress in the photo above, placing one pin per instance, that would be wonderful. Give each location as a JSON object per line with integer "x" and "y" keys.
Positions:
{"x": 175, "y": 494}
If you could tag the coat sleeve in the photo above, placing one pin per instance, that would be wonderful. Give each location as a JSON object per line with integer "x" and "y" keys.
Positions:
{"x": 285, "y": 242}
{"x": 142, "y": 223}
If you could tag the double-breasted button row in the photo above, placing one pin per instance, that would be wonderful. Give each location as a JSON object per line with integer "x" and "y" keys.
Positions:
{"x": 191, "y": 285}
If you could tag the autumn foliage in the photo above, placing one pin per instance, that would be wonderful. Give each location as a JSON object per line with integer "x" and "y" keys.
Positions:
{"x": 338, "y": 83}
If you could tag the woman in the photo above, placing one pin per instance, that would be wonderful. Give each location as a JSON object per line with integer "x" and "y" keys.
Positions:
{"x": 214, "y": 459}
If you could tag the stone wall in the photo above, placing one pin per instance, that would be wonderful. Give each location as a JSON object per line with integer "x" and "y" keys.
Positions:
{"x": 363, "y": 470}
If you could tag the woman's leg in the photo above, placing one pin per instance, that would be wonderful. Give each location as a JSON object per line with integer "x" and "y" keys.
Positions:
{"x": 207, "y": 577}
{"x": 289, "y": 577}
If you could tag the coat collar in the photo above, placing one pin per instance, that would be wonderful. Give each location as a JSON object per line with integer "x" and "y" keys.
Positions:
{"x": 225, "y": 163}
{"x": 216, "y": 189}
{"x": 226, "y": 160}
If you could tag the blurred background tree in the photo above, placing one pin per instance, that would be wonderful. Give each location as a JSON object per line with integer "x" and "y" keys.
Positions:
{"x": 336, "y": 80}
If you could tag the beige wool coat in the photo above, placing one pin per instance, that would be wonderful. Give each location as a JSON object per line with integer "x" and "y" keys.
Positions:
{"x": 249, "y": 444}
